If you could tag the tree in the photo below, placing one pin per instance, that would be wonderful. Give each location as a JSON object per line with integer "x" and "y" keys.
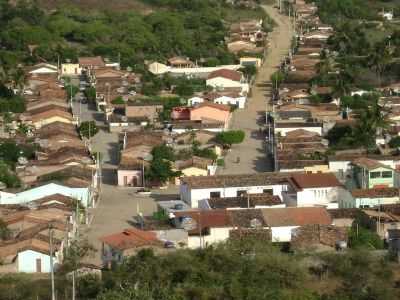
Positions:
{"x": 395, "y": 142}
{"x": 7, "y": 177}
{"x": 88, "y": 129}
{"x": 71, "y": 90}
{"x": 90, "y": 94}
{"x": 230, "y": 137}
{"x": 160, "y": 170}
{"x": 163, "y": 152}
{"x": 5, "y": 232}
{"x": 249, "y": 70}
{"x": 277, "y": 78}
{"x": 380, "y": 58}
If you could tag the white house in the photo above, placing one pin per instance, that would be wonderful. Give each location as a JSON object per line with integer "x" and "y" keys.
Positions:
{"x": 194, "y": 189}
{"x": 313, "y": 189}
{"x": 366, "y": 198}
{"x": 207, "y": 227}
{"x": 43, "y": 69}
{"x": 33, "y": 260}
{"x": 282, "y": 221}
{"x": 238, "y": 101}
{"x": 282, "y": 128}
{"x": 194, "y": 101}
{"x": 81, "y": 194}
{"x": 225, "y": 78}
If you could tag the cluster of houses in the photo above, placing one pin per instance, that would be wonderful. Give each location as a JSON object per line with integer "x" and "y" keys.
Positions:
{"x": 58, "y": 185}
{"x": 312, "y": 198}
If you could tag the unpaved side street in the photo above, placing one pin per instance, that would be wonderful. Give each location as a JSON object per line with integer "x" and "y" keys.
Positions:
{"x": 251, "y": 152}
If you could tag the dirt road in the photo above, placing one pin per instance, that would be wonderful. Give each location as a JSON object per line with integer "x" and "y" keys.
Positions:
{"x": 251, "y": 152}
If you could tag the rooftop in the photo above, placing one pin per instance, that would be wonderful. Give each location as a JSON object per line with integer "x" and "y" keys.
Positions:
{"x": 376, "y": 193}
{"x": 369, "y": 164}
{"x": 246, "y": 201}
{"x": 131, "y": 238}
{"x": 296, "y": 216}
{"x": 314, "y": 180}
{"x": 212, "y": 105}
{"x": 239, "y": 180}
{"x": 226, "y": 73}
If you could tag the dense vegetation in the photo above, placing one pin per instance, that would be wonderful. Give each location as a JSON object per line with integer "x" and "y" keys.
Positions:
{"x": 192, "y": 28}
{"x": 244, "y": 269}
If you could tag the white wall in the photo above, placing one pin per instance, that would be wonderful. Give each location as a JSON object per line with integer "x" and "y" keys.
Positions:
{"x": 358, "y": 202}
{"x": 282, "y": 234}
{"x": 316, "y": 196}
{"x": 239, "y": 101}
{"x": 221, "y": 82}
{"x": 192, "y": 196}
{"x": 216, "y": 235}
{"x": 26, "y": 261}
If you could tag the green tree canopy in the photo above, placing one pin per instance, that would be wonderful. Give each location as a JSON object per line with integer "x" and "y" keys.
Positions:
{"x": 230, "y": 137}
{"x": 88, "y": 129}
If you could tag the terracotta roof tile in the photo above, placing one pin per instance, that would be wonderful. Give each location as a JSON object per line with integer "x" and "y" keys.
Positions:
{"x": 369, "y": 164}
{"x": 212, "y": 105}
{"x": 296, "y": 216}
{"x": 245, "y": 201}
{"x": 131, "y": 238}
{"x": 314, "y": 180}
{"x": 239, "y": 180}
{"x": 376, "y": 193}
{"x": 226, "y": 73}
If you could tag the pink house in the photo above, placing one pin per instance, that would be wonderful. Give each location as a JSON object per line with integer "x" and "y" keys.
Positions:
{"x": 212, "y": 112}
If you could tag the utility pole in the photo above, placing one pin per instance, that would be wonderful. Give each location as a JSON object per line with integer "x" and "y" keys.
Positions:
{"x": 73, "y": 285}
{"x": 53, "y": 295}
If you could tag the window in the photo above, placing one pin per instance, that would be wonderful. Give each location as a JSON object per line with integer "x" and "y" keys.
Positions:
{"x": 241, "y": 193}
{"x": 268, "y": 191}
{"x": 215, "y": 195}
{"x": 387, "y": 174}
{"x": 375, "y": 174}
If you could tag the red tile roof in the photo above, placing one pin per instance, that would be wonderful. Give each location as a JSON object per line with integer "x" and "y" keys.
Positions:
{"x": 131, "y": 238}
{"x": 314, "y": 180}
{"x": 376, "y": 193}
{"x": 212, "y": 105}
{"x": 207, "y": 218}
{"x": 226, "y": 73}
{"x": 296, "y": 216}
{"x": 96, "y": 61}
{"x": 369, "y": 164}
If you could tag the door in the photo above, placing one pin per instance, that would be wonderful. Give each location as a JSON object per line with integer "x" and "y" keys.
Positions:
{"x": 38, "y": 265}
{"x": 125, "y": 180}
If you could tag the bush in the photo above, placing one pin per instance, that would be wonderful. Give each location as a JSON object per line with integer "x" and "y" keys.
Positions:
{"x": 88, "y": 129}
{"x": 118, "y": 100}
{"x": 230, "y": 137}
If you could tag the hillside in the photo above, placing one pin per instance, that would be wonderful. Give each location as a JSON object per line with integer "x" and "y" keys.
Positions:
{"x": 102, "y": 5}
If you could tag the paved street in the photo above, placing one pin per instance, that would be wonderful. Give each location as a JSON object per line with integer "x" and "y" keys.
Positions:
{"x": 117, "y": 210}
{"x": 251, "y": 152}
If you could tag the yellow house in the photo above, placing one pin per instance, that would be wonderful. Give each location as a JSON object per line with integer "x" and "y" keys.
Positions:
{"x": 69, "y": 69}
{"x": 196, "y": 166}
